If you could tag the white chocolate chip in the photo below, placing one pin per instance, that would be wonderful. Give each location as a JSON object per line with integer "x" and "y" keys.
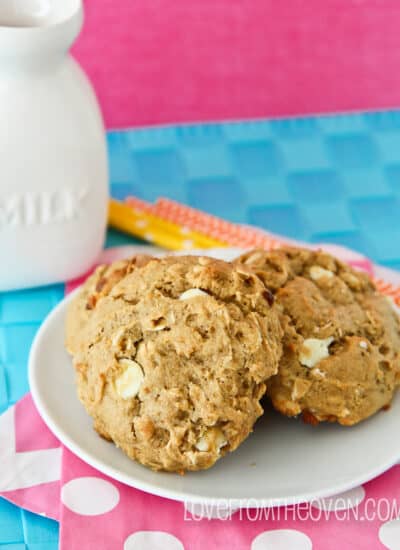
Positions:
{"x": 157, "y": 324}
{"x": 202, "y": 445}
{"x": 128, "y": 384}
{"x": 192, "y": 293}
{"x": 314, "y": 350}
{"x": 213, "y": 438}
{"x": 317, "y": 272}
{"x": 363, "y": 345}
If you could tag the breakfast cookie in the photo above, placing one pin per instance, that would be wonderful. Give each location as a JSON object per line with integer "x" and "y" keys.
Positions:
{"x": 341, "y": 343}
{"x": 175, "y": 360}
{"x": 95, "y": 287}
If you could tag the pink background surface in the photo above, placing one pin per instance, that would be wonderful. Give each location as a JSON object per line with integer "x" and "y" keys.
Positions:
{"x": 187, "y": 60}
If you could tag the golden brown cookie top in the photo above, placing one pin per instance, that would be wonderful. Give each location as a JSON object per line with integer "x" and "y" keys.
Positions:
{"x": 96, "y": 286}
{"x": 341, "y": 358}
{"x": 222, "y": 280}
{"x": 175, "y": 360}
{"x": 277, "y": 267}
{"x": 322, "y": 295}
{"x": 106, "y": 277}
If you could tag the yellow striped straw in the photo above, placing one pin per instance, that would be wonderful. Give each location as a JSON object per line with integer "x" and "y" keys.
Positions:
{"x": 156, "y": 230}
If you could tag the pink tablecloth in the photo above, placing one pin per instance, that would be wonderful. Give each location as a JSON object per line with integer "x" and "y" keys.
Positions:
{"x": 185, "y": 60}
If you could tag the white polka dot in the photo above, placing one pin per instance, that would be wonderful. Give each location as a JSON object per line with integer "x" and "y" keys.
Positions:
{"x": 389, "y": 534}
{"x": 187, "y": 244}
{"x": 152, "y": 540}
{"x": 89, "y": 496}
{"x": 343, "y": 501}
{"x": 149, "y": 237}
{"x": 185, "y": 230}
{"x": 141, "y": 223}
{"x": 206, "y": 511}
{"x": 282, "y": 539}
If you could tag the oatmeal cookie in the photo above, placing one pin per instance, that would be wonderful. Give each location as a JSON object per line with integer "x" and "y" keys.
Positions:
{"x": 341, "y": 347}
{"x": 175, "y": 360}
{"x": 95, "y": 287}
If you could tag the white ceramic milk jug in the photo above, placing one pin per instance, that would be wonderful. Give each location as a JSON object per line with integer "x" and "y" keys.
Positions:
{"x": 53, "y": 162}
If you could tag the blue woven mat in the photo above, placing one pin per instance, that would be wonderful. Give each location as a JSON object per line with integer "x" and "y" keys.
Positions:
{"x": 332, "y": 179}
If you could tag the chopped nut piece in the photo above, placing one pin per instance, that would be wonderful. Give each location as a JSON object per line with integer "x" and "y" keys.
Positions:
{"x": 81, "y": 368}
{"x": 352, "y": 281}
{"x": 300, "y": 388}
{"x": 117, "y": 337}
{"x": 317, "y": 372}
{"x": 204, "y": 261}
{"x": 309, "y": 418}
{"x": 192, "y": 293}
{"x": 157, "y": 324}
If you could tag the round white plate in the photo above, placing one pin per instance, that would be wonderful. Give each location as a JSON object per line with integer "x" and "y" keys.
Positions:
{"x": 283, "y": 462}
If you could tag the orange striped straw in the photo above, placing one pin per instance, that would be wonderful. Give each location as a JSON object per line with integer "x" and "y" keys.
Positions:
{"x": 230, "y": 233}
{"x": 388, "y": 289}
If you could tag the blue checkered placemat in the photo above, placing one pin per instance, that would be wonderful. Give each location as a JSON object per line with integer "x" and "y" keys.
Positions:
{"x": 329, "y": 179}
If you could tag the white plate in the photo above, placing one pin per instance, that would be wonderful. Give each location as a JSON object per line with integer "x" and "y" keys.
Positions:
{"x": 283, "y": 462}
